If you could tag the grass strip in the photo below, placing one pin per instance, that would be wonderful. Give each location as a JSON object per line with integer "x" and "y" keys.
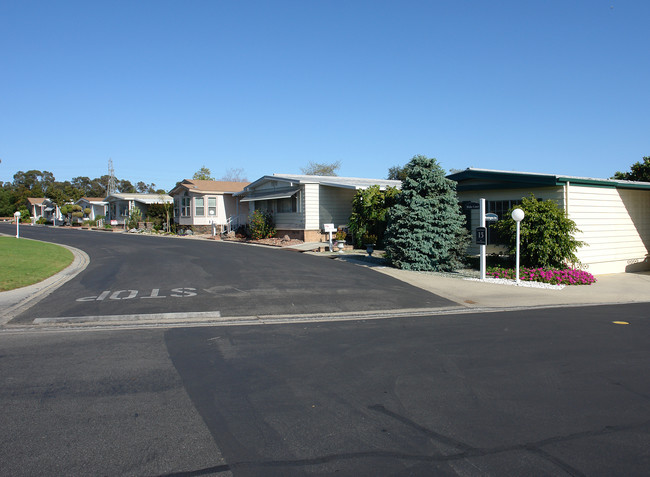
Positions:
{"x": 25, "y": 262}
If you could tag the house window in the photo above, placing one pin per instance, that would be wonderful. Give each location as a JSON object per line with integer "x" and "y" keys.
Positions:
{"x": 288, "y": 205}
{"x": 263, "y": 205}
{"x": 501, "y": 208}
{"x": 176, "y": 207}
{"x": 186, "y": 203}
{"x": 198, "y": 206}
{"x": 212, "y": 206}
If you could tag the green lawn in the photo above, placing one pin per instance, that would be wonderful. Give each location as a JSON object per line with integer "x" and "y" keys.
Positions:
{"x": 24, "y": 262}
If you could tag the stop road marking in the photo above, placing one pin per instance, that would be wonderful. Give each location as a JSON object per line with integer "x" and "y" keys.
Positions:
{"x": 131, "y": 294}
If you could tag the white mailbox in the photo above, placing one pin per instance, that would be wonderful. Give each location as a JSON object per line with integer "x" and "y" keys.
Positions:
{"x": 329, "y": 228}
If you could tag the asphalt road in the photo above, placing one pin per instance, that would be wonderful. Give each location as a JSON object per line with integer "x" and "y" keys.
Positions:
{"x": 558, "y": 392}
{"x": 136, "y": 274}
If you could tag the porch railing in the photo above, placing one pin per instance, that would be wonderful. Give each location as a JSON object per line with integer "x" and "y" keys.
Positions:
{"x": 234, "y": 221}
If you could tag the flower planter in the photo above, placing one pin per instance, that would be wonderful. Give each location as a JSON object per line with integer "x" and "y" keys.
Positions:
{"x": 370, "y": 247}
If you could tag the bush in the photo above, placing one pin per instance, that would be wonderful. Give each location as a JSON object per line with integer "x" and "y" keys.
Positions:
{"x": 243, "y": 231}
{"x": 261, "y": 225}
{"x": 370, "y": 214}
{"x": 546, "y": 235}
{"x": 24, "y": 216}
{"x": 135, "y": 216}
{"x": 568, "y": 276}
{"x": 426, "y": 229}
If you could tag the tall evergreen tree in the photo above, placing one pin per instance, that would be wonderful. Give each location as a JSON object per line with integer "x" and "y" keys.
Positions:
{"x": 426, "y": 229}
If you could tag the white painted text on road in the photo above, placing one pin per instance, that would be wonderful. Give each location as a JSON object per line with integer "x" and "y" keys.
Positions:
{"x": 131, "y": 294}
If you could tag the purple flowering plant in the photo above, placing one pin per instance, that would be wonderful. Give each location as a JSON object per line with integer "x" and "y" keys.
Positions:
{"x": 567, "y": 276}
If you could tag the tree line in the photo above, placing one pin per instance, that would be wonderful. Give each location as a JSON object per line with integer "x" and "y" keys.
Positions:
{"x": 34, "y": 183}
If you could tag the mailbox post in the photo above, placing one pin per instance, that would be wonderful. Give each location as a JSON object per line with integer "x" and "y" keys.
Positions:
{"x": 329, "y": 228}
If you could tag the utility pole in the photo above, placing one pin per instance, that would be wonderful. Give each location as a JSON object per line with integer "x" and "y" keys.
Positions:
{"x": 111, "y": 179}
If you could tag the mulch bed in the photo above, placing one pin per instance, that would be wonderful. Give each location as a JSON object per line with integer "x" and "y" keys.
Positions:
{"x": 274, "y": 241}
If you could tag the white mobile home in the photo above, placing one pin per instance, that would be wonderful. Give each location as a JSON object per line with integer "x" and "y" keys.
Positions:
{"x": 302, "y": 204}
{"x": 96, "y": 206}
{"x": 119, "y": 205}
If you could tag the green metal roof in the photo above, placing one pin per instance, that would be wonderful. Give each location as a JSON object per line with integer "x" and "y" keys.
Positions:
{"x": 485, "y": 179}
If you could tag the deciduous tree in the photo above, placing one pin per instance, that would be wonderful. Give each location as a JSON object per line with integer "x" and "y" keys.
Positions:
{"x": 640, "y": 171}
{"x": 547, "y": 234}
{"x": 396, "y": 173}
{"x": 321, "y": 169}
{"x": 369, "y": 214}
{"x": 234, "y": 175}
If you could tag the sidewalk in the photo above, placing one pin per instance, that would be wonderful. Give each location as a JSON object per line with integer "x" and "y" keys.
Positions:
{"x": 608, "y": 289}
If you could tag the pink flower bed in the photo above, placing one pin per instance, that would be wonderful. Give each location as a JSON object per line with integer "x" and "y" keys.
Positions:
{"x": 554, "y": 277}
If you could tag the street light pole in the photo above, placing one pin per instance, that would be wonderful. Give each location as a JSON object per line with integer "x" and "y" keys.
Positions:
{"x": 17, "y": 215}
{"x": 518, "y": 216}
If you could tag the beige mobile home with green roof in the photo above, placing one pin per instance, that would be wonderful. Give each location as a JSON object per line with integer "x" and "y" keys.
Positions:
{"x": 612, "y": 215}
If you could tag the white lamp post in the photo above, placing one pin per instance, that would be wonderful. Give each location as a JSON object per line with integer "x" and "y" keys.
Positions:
{"x": 518, "y": 216}
{"x": 17, "y": 215}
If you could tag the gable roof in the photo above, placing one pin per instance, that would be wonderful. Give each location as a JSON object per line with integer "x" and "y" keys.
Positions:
{"x": 92, "y": 199}
{"x": 331, "y": 181}
{"x": 483, "y": 179}
{"x": 222, "y": 187}
{"x": 37, "y": 200}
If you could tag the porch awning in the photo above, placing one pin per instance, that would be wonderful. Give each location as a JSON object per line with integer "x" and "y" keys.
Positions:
{"x": 270, "y": 196}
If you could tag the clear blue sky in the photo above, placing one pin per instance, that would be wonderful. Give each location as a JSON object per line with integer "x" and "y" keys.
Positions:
{"x": 165, "y": 87}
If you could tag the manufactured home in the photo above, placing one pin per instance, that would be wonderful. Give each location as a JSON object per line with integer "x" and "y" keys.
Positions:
{"x": 613, "y": 216}
{"x": 302, "y": 204}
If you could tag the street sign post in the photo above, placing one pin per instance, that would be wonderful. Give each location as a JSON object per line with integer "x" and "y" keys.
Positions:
{"x": 481, "y": 218}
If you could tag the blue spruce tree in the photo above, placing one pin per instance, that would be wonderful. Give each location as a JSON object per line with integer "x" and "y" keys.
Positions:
{"x": 426, "y": 229}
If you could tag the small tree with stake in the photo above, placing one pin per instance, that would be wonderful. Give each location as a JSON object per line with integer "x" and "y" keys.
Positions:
{"x": 426, "y": 229}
